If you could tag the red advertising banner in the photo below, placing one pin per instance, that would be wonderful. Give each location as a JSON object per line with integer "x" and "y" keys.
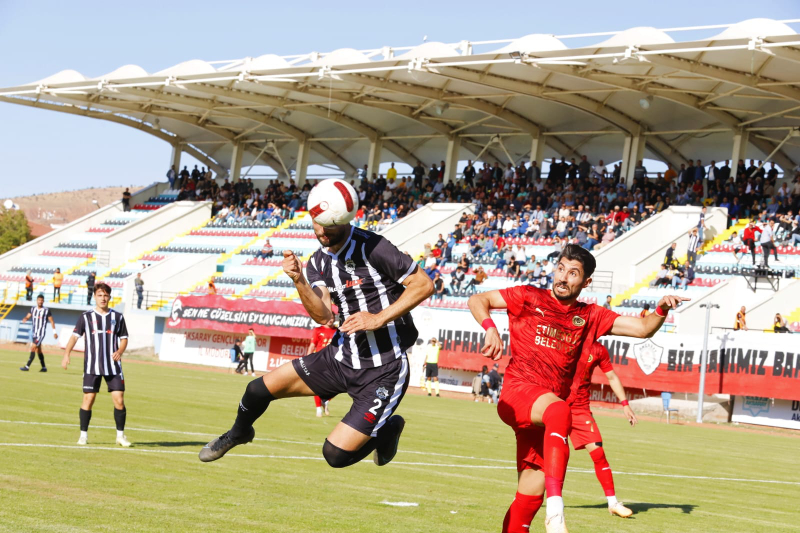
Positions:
{"x": 273, "y": 318}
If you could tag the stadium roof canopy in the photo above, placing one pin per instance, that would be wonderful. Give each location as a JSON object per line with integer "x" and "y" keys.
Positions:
{"x": 636, "y": 93}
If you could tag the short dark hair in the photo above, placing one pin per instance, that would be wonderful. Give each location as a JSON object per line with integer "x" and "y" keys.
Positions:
{"x": 102, "y": 287}
{"x": 40, "y": 296}
{"x": 573, "y": 252}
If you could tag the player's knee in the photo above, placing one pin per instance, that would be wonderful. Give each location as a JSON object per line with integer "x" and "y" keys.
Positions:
{"x": 557, "y": 412}
{"x": 335, "y": 456}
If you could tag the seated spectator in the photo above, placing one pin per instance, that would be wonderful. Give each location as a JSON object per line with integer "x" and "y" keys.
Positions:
{"x": 662, "y": 278}
{"x": 457, "y": 278}
{"x": 464, "y": 263}
{"x": 779, "y": 325}
{"x": 480, "y": 277}
{"x": 438, "y": 286}
{"x": 266, "y": 251}
{"x": 513, "y": 270}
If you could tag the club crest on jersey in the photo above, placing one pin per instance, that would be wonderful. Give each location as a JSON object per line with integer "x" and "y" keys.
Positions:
{"x": 578, "y": 321}
{"x": 648, "y": 355}
{"x": 382, "y": 393}
{"x": 350, "y": 266}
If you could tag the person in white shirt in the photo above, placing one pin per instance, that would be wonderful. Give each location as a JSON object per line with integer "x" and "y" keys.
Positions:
{"x": 738, "y": 246}
{"x": 508, "y": 225}
{"x": 509, "y": 173}
{"x": 767, "y": 242}
{"x": 599, "y": 170}
{"x": 520, "y": 255}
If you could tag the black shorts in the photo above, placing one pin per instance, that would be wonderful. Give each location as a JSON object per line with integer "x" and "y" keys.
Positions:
{"x": 376, "y": 392}
{"x": 37, "y": 340}
{"x": 91, "y": 383}
{"x": 431, "y": 370}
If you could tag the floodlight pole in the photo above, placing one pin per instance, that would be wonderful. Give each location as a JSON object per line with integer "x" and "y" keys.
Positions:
{"x": 704, "y": 361}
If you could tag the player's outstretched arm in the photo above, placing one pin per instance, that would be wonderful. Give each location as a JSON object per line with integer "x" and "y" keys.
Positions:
{"x": 480, "y": 305}
{"x": 644, "y": 327}
{"x": 619, "y": 390}
{"x": 316, "y": 300}
{"x": 418, "y": 287}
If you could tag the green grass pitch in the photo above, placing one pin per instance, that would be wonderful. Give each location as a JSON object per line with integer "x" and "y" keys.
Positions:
{"x": 455, "y": 462}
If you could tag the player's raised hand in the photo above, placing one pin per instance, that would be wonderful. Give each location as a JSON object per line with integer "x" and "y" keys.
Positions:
{"x": 671, "y": 301}
{"x": 630, "y": 415}
{"x": 292, "y": 265}
{"x": 492, "y": 345}
{"x": 361, "y": 321}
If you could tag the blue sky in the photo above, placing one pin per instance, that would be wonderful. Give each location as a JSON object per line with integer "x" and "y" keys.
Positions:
{"x": 43, "y": 151}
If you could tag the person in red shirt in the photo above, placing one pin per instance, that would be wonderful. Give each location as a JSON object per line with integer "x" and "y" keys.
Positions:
{"x": 585, "y": 434}
{"x": 749, "y": 238}
{"x": 549, "y": 329}
{"x": 320, "y": 338}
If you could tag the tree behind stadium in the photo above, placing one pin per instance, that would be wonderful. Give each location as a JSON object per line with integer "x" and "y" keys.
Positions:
{"x": 14, "y": 229}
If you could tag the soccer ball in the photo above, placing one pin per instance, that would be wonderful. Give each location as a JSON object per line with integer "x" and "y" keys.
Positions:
{"x": 332, "y": 202}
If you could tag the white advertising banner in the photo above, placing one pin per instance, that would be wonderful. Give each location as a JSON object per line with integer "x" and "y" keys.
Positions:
{"x": 205, "y": 347}
{"x": 767, "y": 412}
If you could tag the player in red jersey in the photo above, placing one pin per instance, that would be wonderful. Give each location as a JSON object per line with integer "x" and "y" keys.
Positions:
{"x": 549, "y": 329}
{"x": 320, "y": 338}
{"x": 585, "y": 433}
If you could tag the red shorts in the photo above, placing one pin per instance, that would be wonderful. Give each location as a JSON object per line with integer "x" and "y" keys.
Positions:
{"x": 584, "y": 429}
{"x": 514, "y": 409}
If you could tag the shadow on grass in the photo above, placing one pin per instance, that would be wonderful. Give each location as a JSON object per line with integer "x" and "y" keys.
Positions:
{"x": 642, "y": 507}
{"x": 177, "y": 444}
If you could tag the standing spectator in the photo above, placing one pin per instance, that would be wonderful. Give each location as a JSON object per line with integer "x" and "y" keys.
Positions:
{"x": 494, "y": 382}
{"x": 90, "y": 282}
{"x": 584, "y": 168}
{"x": 419, "y": 174}
{"x": 171, "y": 176}
{"x": 669, "y": 256}
{"x": 607, "y": 305}
{"x": 701, "y": 224}
{"x": 767, "y": 242}
{"x": 779, "y": 325}
{"x": 126, "y": 200}
{"x": 249, "y": 349}
{"x": 749, "y": 238}
{"x": 694, "y": 244}
{"x": 432, "y": 366}
{"x": 139, "y": 284}
{"x": 469, "y": 174}
{"x": 639, "y": 171}
{"x": 29, "y": 285}
{"x": 58, "y": 280}
{"x": 212, "y": 289}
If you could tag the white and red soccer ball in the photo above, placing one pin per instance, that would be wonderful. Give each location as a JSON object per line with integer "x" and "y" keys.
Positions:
{"x": 332, "y": 202}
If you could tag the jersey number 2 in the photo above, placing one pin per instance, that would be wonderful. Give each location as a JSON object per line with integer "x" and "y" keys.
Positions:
{"x": 374, "y": 408}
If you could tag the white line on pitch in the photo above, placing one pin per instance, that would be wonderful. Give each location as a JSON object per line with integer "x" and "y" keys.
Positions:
{"x": 308, "y": 458}
{"x": 283, "y": 441}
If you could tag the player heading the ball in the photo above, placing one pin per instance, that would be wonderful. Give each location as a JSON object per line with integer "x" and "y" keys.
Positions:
{"x": 375, "y": 287}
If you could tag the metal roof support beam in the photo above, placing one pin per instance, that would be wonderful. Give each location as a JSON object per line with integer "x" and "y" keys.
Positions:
{"x": 632, "y": 153}
{"x": 374, "y": 162}
{"x": 451, "y": 159}
{"x": 537, "y": 150}
{"x": 740, "y": 140}
{"x": 236, "y": 161}
{"x": 175, "y": 159}
{"x": 301, "y": 166}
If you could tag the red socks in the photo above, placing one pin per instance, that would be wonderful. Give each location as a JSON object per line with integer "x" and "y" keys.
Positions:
{"x": 317, "y": 401}
{"x": 603, "y": 471}
{"x": 557, "y": 421}
{"x": 520, "y": 514}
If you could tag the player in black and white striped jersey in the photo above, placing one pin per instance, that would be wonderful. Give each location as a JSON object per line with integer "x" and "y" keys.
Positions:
{"x": 38, "y": 315}
{"x": 105, "y": 339}
{"x": 375, "y": 287}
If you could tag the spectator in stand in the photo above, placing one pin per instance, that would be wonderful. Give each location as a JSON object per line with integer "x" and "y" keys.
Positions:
{"x": 29, "y": 280}
{"x": 90, "y": 282}
{"x": 779, "y": 324}
{"x": 669, "y": 256}
{"x": 58, "y": 280}
{"x": 738, "y": 246}
{"x": 639, "y": 171}
{"x": 514, "y": 271}
{"x": 662, "y": 277}
{"x": 607, "y": 305}
{"x": 212, "y": 289}
{"x": 138, "y": 283}
{"x": 767, "y": 242}
{"x": 740, "y": 322}
{"x": 749, "y": 238}
{"x": 171, "y": 177}
{"x": 480, "y": 277}
{"x": 645, "y": 311}
{"x": 584, "y": 168}
{"x": 693, "y": 246}
{"x": 438, "y": 286}
{"x": 683, "y": 278}
{"x": 266, "y": 251}
{"x": 457, "y": 278}
{"x": 126, "y": 200}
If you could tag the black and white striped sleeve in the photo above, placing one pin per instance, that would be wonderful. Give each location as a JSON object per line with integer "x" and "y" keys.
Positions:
{"x": 122, "y": 328}
{"x": 313, "y": 274}
{"x": 80, "y": 327}
{"x": 390, "y": 261}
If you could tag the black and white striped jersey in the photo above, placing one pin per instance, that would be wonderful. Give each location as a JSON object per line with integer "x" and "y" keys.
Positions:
{"x": 102, "y": 334}
{"x": 694, "y": 242}
{"x": 366, "y": 274}
{"x": 39, "y": 316}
